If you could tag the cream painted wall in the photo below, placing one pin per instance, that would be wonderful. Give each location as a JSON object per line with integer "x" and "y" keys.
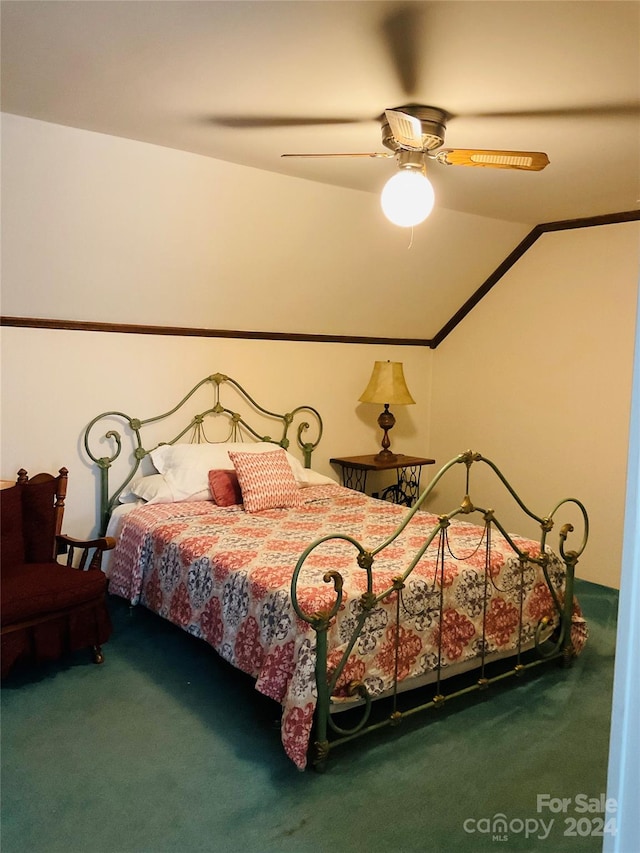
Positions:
{"x": 54, "y": 382}
{"x": 101, "y": 228}
{"x": 538, "y": 378}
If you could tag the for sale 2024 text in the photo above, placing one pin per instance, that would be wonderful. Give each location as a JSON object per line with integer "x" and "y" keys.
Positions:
{"x": 584, "y": 815}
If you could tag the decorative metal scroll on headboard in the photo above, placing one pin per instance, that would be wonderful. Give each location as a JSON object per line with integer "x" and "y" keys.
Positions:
{"x": 195, "y": 432}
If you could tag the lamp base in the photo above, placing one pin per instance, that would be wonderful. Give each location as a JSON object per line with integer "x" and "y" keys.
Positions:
{"x": 386, "y": 456}
{"x": 386, "y": 420}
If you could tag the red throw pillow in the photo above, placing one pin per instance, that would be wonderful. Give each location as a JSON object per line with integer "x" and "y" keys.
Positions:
{"x": 225, "y": 488}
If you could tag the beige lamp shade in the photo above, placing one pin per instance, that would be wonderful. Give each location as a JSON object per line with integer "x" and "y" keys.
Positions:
{"x": 387, "y": 385}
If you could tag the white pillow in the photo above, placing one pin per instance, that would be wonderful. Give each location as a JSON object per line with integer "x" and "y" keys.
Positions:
{"x": 313, "y": 478}
{"x": 154, "y": 489}
{"x": 186, "y": 466}
{"x": 127, "y": 496}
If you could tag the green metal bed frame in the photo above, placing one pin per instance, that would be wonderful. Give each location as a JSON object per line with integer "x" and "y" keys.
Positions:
{"x": 305, "y": 420}
{"x": 328, "y": 731}
{"x": 195, "y": 432}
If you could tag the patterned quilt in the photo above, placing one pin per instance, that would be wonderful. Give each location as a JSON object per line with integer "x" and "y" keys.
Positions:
{"x": 224, "y": 575}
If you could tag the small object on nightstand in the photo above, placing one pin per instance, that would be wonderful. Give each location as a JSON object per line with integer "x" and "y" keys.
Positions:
{"x": 407, "y": 489}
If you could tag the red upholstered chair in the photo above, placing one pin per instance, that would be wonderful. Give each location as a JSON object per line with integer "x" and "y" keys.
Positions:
{"x": 47, "y": 609}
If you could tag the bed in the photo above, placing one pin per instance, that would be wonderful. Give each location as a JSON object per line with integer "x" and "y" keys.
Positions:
{"x": 331, "y": 600}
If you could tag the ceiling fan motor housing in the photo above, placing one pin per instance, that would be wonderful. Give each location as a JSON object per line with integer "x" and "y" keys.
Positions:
{"x": 432, "y": 126}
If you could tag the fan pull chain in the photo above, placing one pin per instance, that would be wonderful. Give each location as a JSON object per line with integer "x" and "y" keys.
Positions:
{"x": 411, "y": 240}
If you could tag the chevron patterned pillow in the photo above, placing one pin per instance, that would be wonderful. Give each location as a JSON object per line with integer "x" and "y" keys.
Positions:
{"x": 266, "y": 480}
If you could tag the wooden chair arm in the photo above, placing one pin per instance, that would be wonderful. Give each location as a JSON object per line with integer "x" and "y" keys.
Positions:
{"x": 70, "y": 544}
{"x": 105, "y": 543}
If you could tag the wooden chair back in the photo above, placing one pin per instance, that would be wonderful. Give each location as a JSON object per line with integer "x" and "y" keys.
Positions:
{"x": 43, "y": 498}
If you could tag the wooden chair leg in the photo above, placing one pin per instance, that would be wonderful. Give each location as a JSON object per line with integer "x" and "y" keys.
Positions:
{"x": 98, "y": 657}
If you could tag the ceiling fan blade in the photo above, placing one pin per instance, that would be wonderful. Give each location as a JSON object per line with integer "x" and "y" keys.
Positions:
{"x": 241, "y": 122}
{"x": 400, "y": 33}
{"x": 529, "y": 161}
{"x": 630, "y": 109}
{"x": 406, "y": 129}
{"x": 377, "y": 154}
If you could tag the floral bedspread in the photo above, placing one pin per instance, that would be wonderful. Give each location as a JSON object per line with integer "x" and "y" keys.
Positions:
{"x": 224, "y": 575}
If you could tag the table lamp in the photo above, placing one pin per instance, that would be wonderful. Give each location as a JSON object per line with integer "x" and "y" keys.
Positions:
{"x": 387, "y": 386}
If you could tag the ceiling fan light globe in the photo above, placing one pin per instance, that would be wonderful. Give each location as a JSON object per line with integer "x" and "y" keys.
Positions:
{"x": 407, "y": 198}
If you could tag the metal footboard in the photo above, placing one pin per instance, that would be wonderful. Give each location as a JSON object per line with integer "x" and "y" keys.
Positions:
{"x": 552, "y": 638}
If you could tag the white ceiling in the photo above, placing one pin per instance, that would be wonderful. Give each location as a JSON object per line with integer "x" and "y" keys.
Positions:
{"x": 559, "y": 77}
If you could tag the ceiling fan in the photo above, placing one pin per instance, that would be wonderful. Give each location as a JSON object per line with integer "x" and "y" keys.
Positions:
{"x": 414, "y": 134}
{"x": 417, "y": 129}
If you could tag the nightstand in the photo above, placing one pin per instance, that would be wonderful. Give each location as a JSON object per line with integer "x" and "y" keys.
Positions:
{"x": 407, "y": 488}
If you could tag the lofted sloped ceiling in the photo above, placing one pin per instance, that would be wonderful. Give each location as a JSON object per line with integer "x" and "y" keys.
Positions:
{"x": 245, "y": 82}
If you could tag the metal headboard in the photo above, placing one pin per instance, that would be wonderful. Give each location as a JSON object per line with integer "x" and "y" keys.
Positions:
{"x": 194, "y": 431}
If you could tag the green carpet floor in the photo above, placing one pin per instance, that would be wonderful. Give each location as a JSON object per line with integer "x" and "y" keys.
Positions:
{"x": 165, "y": 748}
